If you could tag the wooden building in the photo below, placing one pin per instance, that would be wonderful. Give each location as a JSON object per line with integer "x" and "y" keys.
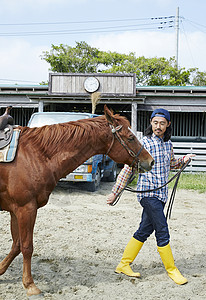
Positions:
{"x": 66, "y": 92}
{"x": 72, "y": 92}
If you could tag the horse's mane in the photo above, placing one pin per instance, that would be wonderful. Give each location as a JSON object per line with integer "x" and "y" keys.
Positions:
{"x": 73, "y": 134}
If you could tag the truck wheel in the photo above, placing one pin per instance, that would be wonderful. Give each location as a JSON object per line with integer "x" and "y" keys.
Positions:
{"x": 113, "y": 175}
{"x": 94, "y": 185}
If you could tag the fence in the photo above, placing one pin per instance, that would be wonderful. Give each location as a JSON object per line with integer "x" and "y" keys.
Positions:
{"x": 198, "y": 163}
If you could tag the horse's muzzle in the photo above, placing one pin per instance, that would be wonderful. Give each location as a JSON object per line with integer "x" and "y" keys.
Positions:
{"x": 146, "y": 166}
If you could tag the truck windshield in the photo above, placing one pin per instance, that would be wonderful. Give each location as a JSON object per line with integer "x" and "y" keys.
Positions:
{"x": 39, "y": 120}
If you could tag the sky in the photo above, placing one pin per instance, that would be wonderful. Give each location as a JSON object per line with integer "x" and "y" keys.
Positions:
{"x": 145, "y": 27}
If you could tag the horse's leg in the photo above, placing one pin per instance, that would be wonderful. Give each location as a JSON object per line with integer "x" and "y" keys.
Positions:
{"x": 26, "y": 220}
{"x": 15, "y": 250}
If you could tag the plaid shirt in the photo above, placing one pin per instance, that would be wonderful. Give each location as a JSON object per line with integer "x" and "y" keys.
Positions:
{"x": 163, "y": 154}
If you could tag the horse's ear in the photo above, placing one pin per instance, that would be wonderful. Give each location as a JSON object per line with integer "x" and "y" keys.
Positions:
{"x": 108, "y": 115}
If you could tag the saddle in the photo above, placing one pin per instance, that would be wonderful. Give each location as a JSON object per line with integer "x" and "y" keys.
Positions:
{"x": 6, "y": 130}
{"x": 9, "y": 136}
{"x": 6, "y": 136}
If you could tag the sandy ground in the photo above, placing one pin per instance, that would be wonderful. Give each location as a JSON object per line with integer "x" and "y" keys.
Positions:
{"x": 79, "y": 240}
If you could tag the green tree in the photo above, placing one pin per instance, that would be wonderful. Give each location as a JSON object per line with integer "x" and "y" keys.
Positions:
{"x": 153, "y": 71}
{"x": 149, "y": 71}
{"x": 198, "y": 78}
{"x": 80, "y": 59}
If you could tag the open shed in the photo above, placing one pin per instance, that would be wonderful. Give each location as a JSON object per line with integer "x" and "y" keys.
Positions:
{"x": 72, "y": 92}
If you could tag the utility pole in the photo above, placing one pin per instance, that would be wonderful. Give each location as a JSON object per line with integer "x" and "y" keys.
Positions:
{"x": 177, "y": 34}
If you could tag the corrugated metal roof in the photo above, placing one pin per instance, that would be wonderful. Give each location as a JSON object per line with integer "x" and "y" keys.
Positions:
{"x": 174, "y": 108}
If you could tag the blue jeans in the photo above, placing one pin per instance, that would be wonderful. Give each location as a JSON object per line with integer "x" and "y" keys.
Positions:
{"x": 153, "y": 219}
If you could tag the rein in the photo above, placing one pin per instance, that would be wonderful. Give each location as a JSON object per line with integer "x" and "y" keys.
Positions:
{"x": 172, "y": 197}
{"x": 115, "y": 131}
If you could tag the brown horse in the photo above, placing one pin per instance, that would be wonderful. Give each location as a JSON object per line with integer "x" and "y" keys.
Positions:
{"x": 47, "y": 154}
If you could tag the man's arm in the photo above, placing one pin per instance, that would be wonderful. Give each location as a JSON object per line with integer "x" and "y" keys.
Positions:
{"x": 120, "y": 183}
{"x": 177, "y": 163}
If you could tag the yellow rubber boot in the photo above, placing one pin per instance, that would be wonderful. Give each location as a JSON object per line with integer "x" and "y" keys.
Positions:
{"x": 130, "y": 252}
{"x": 168, "y": 261}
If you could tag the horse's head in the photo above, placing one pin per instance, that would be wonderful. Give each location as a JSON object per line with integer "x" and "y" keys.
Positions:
{"x": 125, "y": 147}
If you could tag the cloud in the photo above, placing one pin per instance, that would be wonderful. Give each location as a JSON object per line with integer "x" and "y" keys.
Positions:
{"x": 156, "y": 44}
{"x": 142, "y": 43}
{"x": 192, "y": 50}
{"x": 20, "y": 61}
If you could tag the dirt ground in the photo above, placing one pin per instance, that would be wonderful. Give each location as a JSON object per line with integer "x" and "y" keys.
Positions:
{"x": 79, "y": 240}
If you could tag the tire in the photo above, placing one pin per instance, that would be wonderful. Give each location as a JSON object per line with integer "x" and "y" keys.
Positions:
{"x": 113, "y": 175}
{"x": 94, "y": 185}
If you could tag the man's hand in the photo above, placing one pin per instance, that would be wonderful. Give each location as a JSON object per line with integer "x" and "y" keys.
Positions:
{"x": 110, "y": 198}
{"x": 188, "y": 156}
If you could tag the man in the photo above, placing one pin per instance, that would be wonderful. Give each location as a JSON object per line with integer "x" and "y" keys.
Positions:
{"x": 158, "y": 144}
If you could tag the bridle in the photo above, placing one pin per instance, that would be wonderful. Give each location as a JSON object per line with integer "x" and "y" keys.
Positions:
{"x": 115, "y": 131}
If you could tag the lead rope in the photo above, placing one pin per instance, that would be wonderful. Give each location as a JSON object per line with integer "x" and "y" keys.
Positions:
{"x": 172, "y": 197}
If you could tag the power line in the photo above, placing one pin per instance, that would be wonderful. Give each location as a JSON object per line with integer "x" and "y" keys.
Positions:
{"x": 86, "y": 31}
{"x": 188, "y": 45}
{"x": 16, "y": 80}
{"x": 84, "y": 22}
{"x": 195, "y": 24}
{"x": 156, "y": 25}
{"x": 192, "y": 22}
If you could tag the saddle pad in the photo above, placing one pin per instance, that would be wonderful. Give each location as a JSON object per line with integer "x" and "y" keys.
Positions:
{"x": 7, "y": 154}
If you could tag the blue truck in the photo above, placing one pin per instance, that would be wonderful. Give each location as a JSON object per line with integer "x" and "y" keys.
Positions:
{"x": 96, "y": 168}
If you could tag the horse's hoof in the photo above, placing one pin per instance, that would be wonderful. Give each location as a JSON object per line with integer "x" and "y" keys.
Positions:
{"x": 32, "y": 290}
